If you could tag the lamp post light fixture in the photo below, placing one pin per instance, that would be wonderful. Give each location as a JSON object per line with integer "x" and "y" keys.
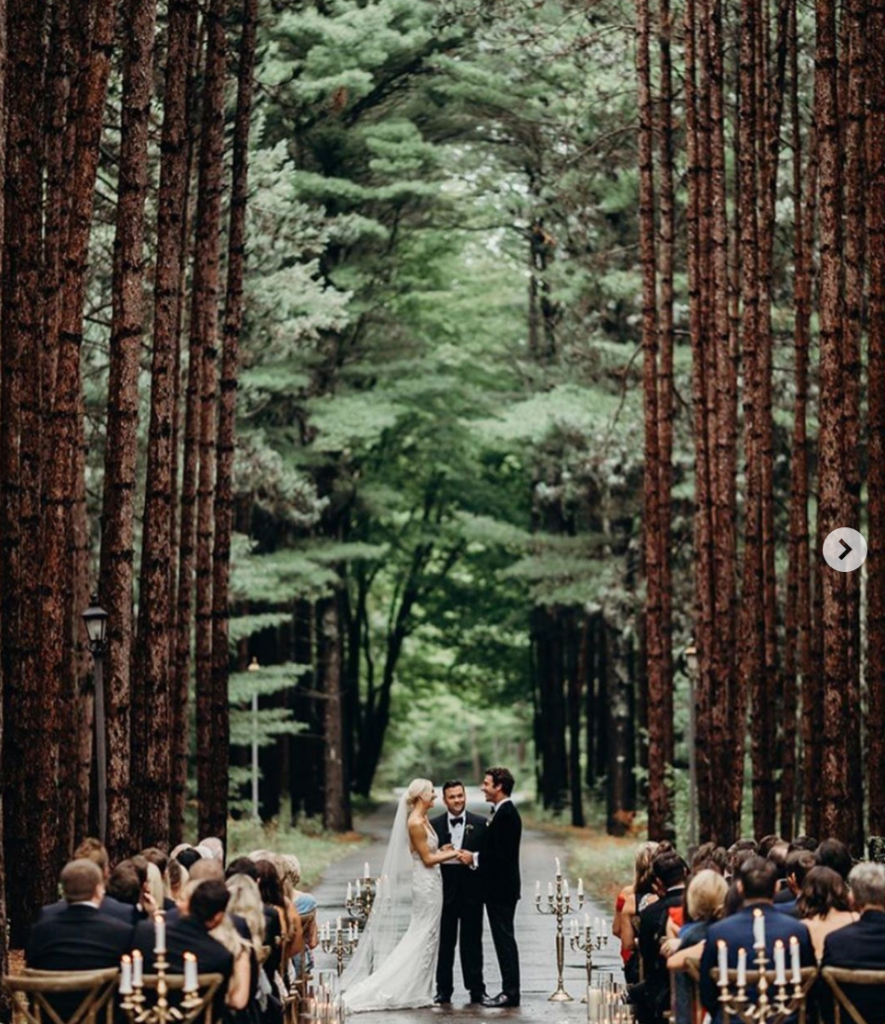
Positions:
{"x": 691, "y": 662}
{"x": 256, "y": 813}
{"x": 95, "y": 619}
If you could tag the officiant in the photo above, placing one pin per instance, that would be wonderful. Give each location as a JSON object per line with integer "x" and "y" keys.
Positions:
{"x": 462, "y": 912}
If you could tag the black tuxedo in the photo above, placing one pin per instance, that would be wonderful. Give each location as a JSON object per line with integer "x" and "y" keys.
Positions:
{"x": 110, "y": 907}
{"x": 860, "y": 946}
{"x": 76, "y": 938}
{"x": 499, "y": 876}
{"x": 462, "y": 906}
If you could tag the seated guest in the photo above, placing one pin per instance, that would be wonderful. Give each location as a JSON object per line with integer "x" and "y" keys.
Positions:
{"x": 833, "y": 853}
{"x": 80, "y": 937}
{"x": 270, "y": 885}
{"x": 188, "y": 932}
{"x": 861, "y": 945}
{"x": 245, "y": 900}
{"x": 154, "y": 855}
{"x": 650, "y": 997}
{"x": 125, "y": 886}
{"x": 799, "y": 863}
{"x": 272, "y": 926}
{"x": 214, "y": 848}
{"x": 824, "y": 906}
{"x": 755, "y": 883}
{"x": 94, "y": 850}
{"x": 176, "y": 879}
{"x": 626, "y": 907}
{"x": 804, "y": 842}
{"x": 187, "y": 857}
{"x": 777, "y": 854}
{"x": 704, "y": 904}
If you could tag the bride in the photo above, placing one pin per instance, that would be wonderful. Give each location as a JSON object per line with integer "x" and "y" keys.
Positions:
{"x": 394, "y": 964}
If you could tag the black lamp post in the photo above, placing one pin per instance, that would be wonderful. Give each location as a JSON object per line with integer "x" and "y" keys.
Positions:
{"x": 95, "y": 619}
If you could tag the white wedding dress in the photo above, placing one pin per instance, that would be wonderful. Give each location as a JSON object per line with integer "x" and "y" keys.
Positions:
{"x": 402, "y": 977}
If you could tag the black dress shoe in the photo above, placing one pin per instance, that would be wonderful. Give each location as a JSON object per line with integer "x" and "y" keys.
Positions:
{"x": 478, "y": 997}
{"x": 440, "y": 1000}
{"x": 500, "y": 1000}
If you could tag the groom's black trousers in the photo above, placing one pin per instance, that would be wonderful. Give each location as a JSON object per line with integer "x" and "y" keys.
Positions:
{"x": 466, "y": 918}
{"x": 501, "y": 917}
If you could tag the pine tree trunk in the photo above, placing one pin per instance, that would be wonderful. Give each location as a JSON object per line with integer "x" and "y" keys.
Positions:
{"x": 233, "y": 320}
{"x": 63, "y": 479}
{"x": 4, "y": 961}
{"x": 152, "y": 751}
{"x": 659, "y": 696}
{"x": 854, "y": 256}
{"x": 837, "y": 817}
{"x": 574, "y": 638}
{"x": 33, "y": 719}
{"x": 336, "y": 813}
{"x": 204, "y": 322}
{"x": 121, "y": 453}
{"x": 875, "y": 667}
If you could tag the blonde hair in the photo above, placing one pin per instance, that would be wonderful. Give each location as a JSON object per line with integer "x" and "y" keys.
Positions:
{"x": 642, "y": 867}
{"x": 289, "y": 869}
{"x": 417, "y": 789}
{"x": 176, "y": 879}
{"x": 705, "y": 899}
{"x": 155, "y": 884}
{"x": 245, "y": 900}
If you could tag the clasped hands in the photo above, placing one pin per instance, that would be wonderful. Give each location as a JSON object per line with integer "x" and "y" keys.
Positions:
{"x": 465, "y": 856}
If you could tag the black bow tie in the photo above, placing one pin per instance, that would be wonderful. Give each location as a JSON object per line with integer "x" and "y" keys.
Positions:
{"x": 456, "y": 821}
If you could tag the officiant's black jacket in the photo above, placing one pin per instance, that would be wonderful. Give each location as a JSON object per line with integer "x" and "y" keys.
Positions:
{"x": 499, "y": 859}
{"x": 461, "y": 884}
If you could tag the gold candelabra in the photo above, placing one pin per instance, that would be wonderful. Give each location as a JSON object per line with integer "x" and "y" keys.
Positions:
{"x": 342, "y": 943}
{"x": 132, "y": 990}
{"x": 360, "y": 897}
{"x": 774, "y": 1003}
{"x": 588, "y": 940}
{"x": 323, "y": 1003}
{"x": 559, "y": 905}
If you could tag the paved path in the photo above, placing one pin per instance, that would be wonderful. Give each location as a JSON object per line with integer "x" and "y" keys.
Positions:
{"x": 535, "y": 935}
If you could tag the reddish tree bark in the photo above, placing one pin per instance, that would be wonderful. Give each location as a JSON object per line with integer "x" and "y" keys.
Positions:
{"x": 153, "y": 754}
{"x": 204, "y": 326}
{"x": 127, "y": 328}
{"x": 875, "y": 667}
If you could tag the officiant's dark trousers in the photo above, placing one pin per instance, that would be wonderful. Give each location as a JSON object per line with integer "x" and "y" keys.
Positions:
{"x": 468, "y": 920}
{"x": 501, "y": 917}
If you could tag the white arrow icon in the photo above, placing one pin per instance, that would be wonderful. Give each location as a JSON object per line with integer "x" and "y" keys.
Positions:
{"x": 845, "y": 549}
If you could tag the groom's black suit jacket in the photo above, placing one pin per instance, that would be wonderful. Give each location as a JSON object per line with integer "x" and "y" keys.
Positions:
{"x": 499, "y": 860}
{"x": 462, "y": 884}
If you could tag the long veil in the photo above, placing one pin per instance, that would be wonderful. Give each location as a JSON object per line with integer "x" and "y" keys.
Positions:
{"x": 392, "y": 908}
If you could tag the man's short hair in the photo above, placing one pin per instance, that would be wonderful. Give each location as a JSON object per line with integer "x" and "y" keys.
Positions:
{"x": 804, "y": 842}
{"x": 766, "y": 843}
{"x": 867, "y": 881}
{"x": 799, "y": 863}
{"x": 777, "y": 854}
{"x": 124, "y": 884}
{"x": 93, "y": 849}
{"x": 206, "y": 869}
{"x": 669, "y": 869}
{"x": 502, "y": 777}
{"x": 833, "y": 853}
{"x": 242, "y": 866}
{"x": 758, "y": 878}
{"x": 709, "y": 855}
{"x": 79, "y": 880}
{"x": 451, "y": 784}
{"x": 208, "y": 899}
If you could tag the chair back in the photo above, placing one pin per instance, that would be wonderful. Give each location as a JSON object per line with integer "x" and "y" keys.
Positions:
{"x": 209, "y": 985}
{"x": 843, "y": 1006}
{"x": 32, "y": 995}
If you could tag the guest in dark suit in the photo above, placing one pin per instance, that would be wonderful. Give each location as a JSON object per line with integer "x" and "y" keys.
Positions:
{"x": 799, "y": 863}
{"x": 756, "y": 881}
{"x": 651, "y": 995}
{"x": 79, "y": 937}
{"x": 862, "y": 945}
{"x": 498, "y": 865}
{"x": 462, "y": 897}
{"x": 94, "y": 850}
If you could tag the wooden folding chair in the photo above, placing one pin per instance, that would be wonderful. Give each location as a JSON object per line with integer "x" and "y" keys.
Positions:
{"x": 209, "y": 985}
{"x": 32, "y": 996}
{"x": 836, "y": 977}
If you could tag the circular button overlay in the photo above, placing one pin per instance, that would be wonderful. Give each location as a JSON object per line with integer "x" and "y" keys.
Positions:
{"x": 845, "y": 549}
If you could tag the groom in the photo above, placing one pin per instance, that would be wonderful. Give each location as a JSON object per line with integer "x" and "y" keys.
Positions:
{"x": 498, "y": 864}
{"x": 462, "y": 897}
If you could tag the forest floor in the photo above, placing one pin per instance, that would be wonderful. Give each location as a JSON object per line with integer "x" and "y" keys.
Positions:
{"x": 535, "y": 933}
